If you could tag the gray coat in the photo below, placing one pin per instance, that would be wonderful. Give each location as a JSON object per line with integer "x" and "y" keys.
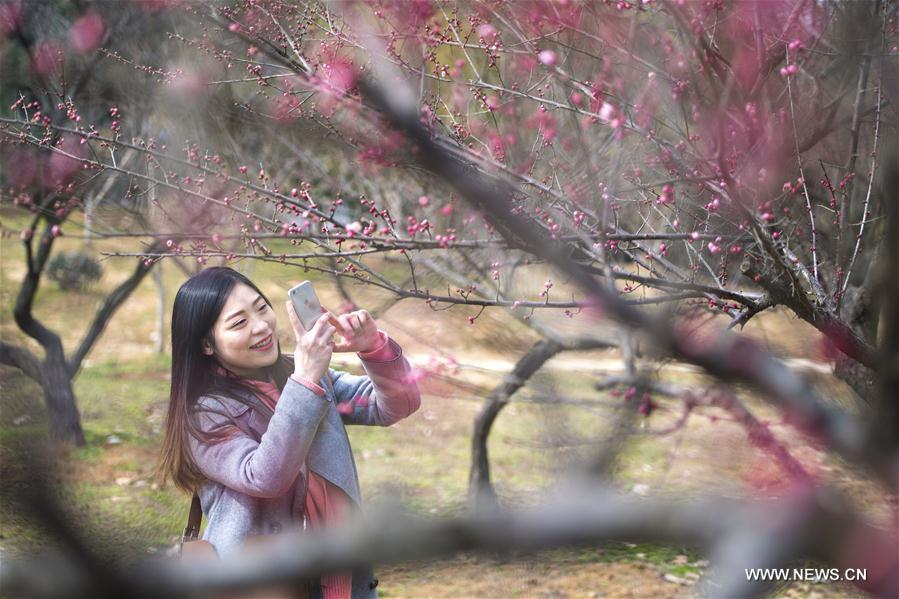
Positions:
{"x": 256, "y": 480}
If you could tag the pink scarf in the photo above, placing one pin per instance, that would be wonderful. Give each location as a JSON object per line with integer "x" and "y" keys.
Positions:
{"x": 325, "y": 503}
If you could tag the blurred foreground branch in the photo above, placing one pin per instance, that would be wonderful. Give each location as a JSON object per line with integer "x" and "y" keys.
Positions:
{"x": 814, "y": 523}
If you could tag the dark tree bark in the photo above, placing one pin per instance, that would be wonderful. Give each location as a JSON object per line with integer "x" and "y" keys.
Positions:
{"x": 852, "y": 332}
{"x": 62, "y": 411}
{"x": 55, "y": 372}
{"x": 480, "y": 487}
{"x": 888, "y": 398}
{"x": 63, "y": 417}
{"x": 860, "y": 313}
{"x": 21, "y": 358}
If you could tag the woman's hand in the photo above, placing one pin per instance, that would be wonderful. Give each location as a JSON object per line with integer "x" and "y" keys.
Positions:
{"x": 359, "y": 332}
{"x": 313, "y": 347}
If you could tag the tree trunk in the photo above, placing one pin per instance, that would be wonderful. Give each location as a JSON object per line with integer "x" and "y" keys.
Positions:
{"x": 160, "y": 309}
{"x": 88, "y": 223}
{"x": 480, "y": 488}
{"x": 62, "y": 411}
{"x": 859, "y": 311}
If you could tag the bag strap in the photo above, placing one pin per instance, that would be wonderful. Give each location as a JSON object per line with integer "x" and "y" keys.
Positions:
{"x": 194, "y": 519}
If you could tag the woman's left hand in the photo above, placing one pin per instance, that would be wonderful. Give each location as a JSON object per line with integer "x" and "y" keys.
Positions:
{"x": 359, "y": 332}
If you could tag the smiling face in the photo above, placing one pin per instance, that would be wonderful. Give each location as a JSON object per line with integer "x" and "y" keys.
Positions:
{"x": 244, "y": 338}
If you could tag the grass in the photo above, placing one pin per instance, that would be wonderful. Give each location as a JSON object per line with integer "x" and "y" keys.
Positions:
{"x": 125, "y": 398}
{"x": 679, "y": 561}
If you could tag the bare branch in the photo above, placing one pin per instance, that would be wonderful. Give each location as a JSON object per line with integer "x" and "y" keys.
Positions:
{"x": 21, "y": 358}
{"x": 582, "y": 513}
{"x": 112, "y": 303}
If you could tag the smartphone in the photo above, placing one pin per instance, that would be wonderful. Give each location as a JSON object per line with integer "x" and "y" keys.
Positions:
{"x": 305, "y": 304}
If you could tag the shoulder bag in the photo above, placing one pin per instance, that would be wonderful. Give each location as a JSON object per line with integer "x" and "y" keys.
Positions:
{"x": 195, "y": 549}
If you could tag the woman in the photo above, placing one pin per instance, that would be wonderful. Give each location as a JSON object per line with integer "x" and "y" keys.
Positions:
{"x": 259, "y": 435}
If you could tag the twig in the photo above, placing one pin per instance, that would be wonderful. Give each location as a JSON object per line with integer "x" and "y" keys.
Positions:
{"x": 808, "y": 201}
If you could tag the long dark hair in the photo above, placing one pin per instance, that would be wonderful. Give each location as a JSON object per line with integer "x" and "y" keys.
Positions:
{"x": 197, "y": 307}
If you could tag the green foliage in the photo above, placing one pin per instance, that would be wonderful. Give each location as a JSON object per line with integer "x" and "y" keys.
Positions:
{"x": 74, "y": 270}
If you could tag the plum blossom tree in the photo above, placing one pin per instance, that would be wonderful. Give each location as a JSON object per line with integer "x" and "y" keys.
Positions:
{"x": 52, "y": 78}
{"x": 667, "y": 163}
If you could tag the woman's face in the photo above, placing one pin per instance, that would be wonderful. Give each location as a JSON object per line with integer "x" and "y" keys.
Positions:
{"x": 244, "y": 338}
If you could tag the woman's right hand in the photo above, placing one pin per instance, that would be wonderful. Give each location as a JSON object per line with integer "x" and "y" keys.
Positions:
{"x": 313, "y": 347}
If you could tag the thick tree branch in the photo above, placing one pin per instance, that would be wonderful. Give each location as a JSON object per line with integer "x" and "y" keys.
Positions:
{"x": 112, "y": 303}
{"x": 480, "y": 488}
{"x": 818, "y": 522}
{"x": 21, "y": 358}
{"x": 22, "y": 312}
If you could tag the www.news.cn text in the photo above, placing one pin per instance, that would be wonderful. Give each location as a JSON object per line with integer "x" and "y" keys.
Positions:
{"x": 807, "y": 574}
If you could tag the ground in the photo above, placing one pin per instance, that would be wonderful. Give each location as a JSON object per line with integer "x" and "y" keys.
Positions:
{"x": 558, "y": 420}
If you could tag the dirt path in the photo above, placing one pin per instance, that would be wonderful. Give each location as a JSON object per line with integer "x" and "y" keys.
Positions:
{"x": 479, "y": 577}
{"x": 568, "y": 363}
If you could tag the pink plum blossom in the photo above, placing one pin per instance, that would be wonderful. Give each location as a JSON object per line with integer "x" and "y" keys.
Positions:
{"x": 87, "y": 33}
{"x": 547, "y": 57}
